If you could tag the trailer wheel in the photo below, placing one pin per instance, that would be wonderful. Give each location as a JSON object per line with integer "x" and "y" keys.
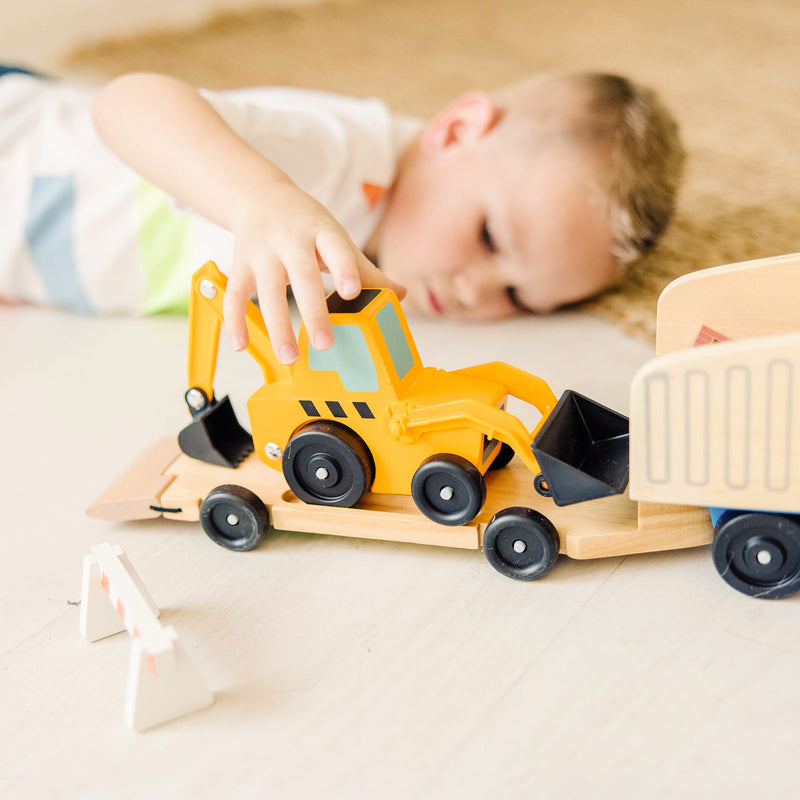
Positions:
{"x": 234, "y": 517}
{"x": 448, "y": 489}
{"x": 759, "y": 554}
{"x": 521, "y": 543}
{"x": 326, "y": 463}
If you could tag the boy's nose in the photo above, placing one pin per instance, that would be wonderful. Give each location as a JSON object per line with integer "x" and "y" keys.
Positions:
{"x": 472, "y": 287}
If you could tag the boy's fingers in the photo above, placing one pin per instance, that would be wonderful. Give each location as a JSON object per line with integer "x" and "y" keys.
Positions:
{"x": 234, "y": 306}
{"x": 337, "y": 254}
{"x": 350, "y": 268}
{"x": 275, "y": 310}
{"x": 309, "y": 294}
{"x": 373, "y": 276}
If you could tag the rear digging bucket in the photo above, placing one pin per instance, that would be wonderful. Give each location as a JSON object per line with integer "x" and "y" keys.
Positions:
{"x": 215, "y": 436}
{"x": 582, "y": 449}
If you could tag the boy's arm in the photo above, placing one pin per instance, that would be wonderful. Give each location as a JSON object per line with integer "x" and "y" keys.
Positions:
{"x": 165, "y": 130}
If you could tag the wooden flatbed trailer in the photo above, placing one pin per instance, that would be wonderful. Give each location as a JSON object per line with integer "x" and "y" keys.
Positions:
{"x": 163, "y": 482}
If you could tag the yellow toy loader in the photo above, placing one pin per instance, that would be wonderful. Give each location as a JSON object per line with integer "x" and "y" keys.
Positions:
{"x": 366, "y": 416}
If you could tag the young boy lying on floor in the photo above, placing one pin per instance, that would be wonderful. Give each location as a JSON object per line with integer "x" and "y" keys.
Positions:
{"x": 530, "y": 198}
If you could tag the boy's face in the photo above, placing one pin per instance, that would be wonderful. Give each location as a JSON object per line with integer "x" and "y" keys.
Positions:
{"x": 478, "y": 234}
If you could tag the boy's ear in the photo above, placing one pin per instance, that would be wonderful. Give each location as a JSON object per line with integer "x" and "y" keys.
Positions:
{"x": 463, "y": 121}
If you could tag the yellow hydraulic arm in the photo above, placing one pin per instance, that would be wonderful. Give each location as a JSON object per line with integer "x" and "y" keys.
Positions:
{"x": 215, "y": 435}
{"x": 409, "y": 421}
{"x": 205, "y": 321}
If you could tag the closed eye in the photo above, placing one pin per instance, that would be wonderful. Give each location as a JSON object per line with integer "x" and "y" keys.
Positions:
{"x": 513, "y": 298}
{"x": 487, "y": 240}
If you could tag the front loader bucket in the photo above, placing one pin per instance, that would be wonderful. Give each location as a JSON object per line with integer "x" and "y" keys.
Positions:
{"x": 215, "y": 436}
{"x": 582, "y": 450}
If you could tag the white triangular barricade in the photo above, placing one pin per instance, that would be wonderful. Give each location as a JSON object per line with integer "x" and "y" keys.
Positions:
{"x": 163, "y": 683}
{"x": 107, "y": 574}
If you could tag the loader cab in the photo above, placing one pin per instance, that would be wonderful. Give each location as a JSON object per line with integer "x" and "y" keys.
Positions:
{"x": 373, "y": 349}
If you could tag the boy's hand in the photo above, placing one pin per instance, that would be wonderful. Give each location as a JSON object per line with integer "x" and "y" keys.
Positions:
{"x": 171, "y": 135}
{"x": 282, "y": 236}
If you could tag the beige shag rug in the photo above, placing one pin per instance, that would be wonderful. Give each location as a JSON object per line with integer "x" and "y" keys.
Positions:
{"x": 729, "y": 69}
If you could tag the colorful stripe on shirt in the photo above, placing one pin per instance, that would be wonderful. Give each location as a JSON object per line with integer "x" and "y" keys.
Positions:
{"x": 166, "y": 243}
{"x": 5, "y": 70}
{"x": 49, "y": 233}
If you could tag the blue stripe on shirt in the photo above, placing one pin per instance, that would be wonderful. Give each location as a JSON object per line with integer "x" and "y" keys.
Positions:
{"x": 48, "y": 230}
{"x": 16, "y": 71}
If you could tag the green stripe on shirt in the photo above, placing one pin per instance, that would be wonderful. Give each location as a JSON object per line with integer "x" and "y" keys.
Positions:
{"x": 166, "y": 243}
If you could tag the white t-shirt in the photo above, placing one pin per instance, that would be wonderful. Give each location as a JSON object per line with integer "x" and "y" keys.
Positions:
{"x": 80, "y": 230}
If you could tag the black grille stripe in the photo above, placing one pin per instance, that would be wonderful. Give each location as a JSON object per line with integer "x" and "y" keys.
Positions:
{"x": 309, "y": 408}
{"x": 364, "y": 411}
{"x": 335, "y": 408}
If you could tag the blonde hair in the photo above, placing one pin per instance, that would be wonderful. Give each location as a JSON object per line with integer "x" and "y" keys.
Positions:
{"x": 640, "y": 137}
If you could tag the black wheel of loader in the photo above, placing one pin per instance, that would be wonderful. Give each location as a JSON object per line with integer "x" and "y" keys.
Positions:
{"x": 503, "y": 457}
{"x": 448, "y": 489}
{"x": 521, "y": 543}
{"x": 759, "y": 554}
{"x": 326, "y": 463}
{"x": 234, "y": 517}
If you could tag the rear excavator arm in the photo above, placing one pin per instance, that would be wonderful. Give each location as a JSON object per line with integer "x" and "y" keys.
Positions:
{"x": 205, "y": 321}
{"x": 215, "y": 434}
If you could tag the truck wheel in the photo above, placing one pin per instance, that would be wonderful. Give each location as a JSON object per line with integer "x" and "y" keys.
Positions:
{"x": 503, "y": 457}
{"x": 328, "y": 464}
{"x": 234, "y": 517}
{"x": 448, "y": 489}
{"x": 759, "y": 554}
{"x": 521, "y": 543}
